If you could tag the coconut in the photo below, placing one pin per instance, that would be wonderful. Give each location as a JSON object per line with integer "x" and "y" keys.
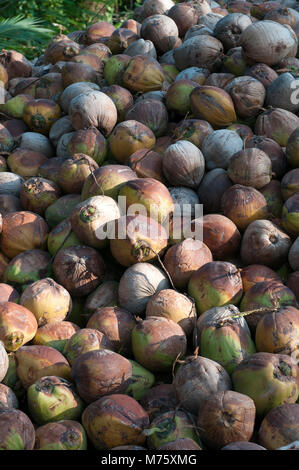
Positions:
{"x": 90, "y": 142}
{"x": 292, "y": 149}
{"x": 141, "y": 47}
{"x": 215, "y": 284}
{"x": 280, "y": 426}
{"x": 122, "y": 99}
{"x": 17, "y": 325}
{"x": 101, "y": 372}
{"x": 263, "y": 242}
{"x": 278, "y": 331}
{"x": 93, "y": 108}
{"x": 17, "y": 431}
{"x": 185, "y": 443}
{"x": 50, "y": 169}
{"x": 22, "y": 231}
{"x": 140, "y": 381}
{"x": 193, "y": 130}
{"x": 74, "y": 90}
{"x": 269, "y": 379}
{"x": 16, "y": 127}
{"x": 93, "y": 220}
{"x": 55, "y": 334}
{"x": 219, "y": 147}
{"x": 277, "y": 124}
{"x": 178, "y": 96}
{"x": 158, "y": 400}
{"x": 290, "y": 215}
{"x": 107, "y": 181}
{"x": 73, "y": 172}
{"x": 280, "y": 92}
{"x": 147, "y": 164}
{"x": 6, "y": 139}
{"x": 106, "y": 295}
{"x": 229, "y": 29}
{"x": 107, "y": 424}
{"x": 83, "y": 341}
{"x": 8, "y": 399}
{"x": 14, "y": 107}
{"x": 73, "y": 72}
{"x": 226, "y": 417}
{"x": 214, "y": 105}
{"x": 184, "y": 259}
{"x": 221, "y": 236}
{"x": 169, "y": 427}
{"x": 273, "y": 150}
{"x": 35, "y": 362}
{"x": 115, "y": 68}
{"x": 172, "y": 305}
{"x": 254, "y": 273}
{"x": 243, "y": 205}
{"x": 219, "y": 80}
{"x": 50, "y": 87}
{"x": 116, "y": 324}
{"x": 3, "y": 361}
{"x": 129, "y": 136}
{"x": 293, "y": 256}
{"x": 120, "y": 39}
{"x": 219, "y": 180}
{"x": 79, "y": 269}
{"x": 142, "y": 74}
{"x": 137, "y": 238}
{"x": 62, "y": 236}
{"x": 96, "y": 31}
{"x": 52, "y": 399}
{"x": 37, "y": 143}
{"x": 262, "y": 72}
{"x": 184, "y": 15}
{"x": 241, "y": 445}
{"x": 61, "y": 209}
{"x": 183, "y": 164}
{"x": 8, "y": 294}
{"x": 247, "y": 104}
{"x": 40, "y": 114}
{"x": 152, "y": 195}
{"x": 268, "y": 296}
{"x": 234, "y": 62}
{"x": 198, "y": 51}
{"x": 25, "y": 162}
{"x": 161, "y": 30}
{"x": 37, "y": 194}
{"x": 268, "y": 42}
{"x": 151, "y": 113}
{"x": 290, "y": 184}
{"x": 165, "y": 341}
{"x": 60, "y": 49}
{"x": 196, "y": 379}
{"x": 15, "y": 63}
{"x": 27, "y": 267}
{"x": 64, "y": 435}
{"x": 93, "y": 61}
{"x": 221, "y": 326}
{"x": 47, "y": 300}
{"x": 10, "y": 183}
{"x": 250, "y": 167}
{"x": 60, "y": 127}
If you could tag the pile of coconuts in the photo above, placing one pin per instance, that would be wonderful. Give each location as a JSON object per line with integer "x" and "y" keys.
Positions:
{"x": 110, "y": 337}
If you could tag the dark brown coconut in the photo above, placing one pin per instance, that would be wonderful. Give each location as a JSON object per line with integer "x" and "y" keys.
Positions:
{"x": 8, "y": 399}
{"x": 60, "y": 49}
{"x": 243, "y": 205}
{"x": 184, "y": 258}
{"x": 147, "y": 164}
{"x": 211, "y": 200}
{"x": 280, "y": 426}
{"x": 250, "y": 167}
{"x": 262, "y": 72}
{"x": 96, "y": 31}
{"x": 241, "y": 445}
{"x": 277, "y": 124}
{"x": 37, "y": 194}
{"x": 79, "y": 269}
{"x": 120, "y": 39}
{"x": 226, "y": 417}
{"x": 161, "y": 30}
{"x": 9, "y": 203}
{"x": 198, "y": 378}
{"x": 73, "y": 72}
{"x": 99, "y": 373}
{"x": 273, "y": 150}
{"x": 290, "y": 184}
{"x": 117, "y": 325}
{"x": 17, "y": 431}
{"x": 151, "y": 113}
{"x": 293, "y": 283}
{"x": 159, "y": 399}
{"x": 248, "y": 95}
{"x": 263, "y": 242}
{"x": 15, "y": 63}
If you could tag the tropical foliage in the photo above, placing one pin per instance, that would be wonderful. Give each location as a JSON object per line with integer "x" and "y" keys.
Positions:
{"x": 27, "y": 25}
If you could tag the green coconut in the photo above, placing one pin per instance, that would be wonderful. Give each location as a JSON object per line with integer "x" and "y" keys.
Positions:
{"x": 15, "y": 106}
{"x": 83, "y": 341}
{"x": 16, "y": 430}
{"x": 11, "y": 378}
{"x": 169, "y": 427}
{"x": 269, "y": 379}
{"x": 52, "y": 399}
{"x": 55, "y": 334}
{"x": 62, "y": 236}
{"x": 141, "y": 381}
{"x": 223, "y": 338}
{"x": 115, "y": 68}
{"x": 61, "y": 209}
